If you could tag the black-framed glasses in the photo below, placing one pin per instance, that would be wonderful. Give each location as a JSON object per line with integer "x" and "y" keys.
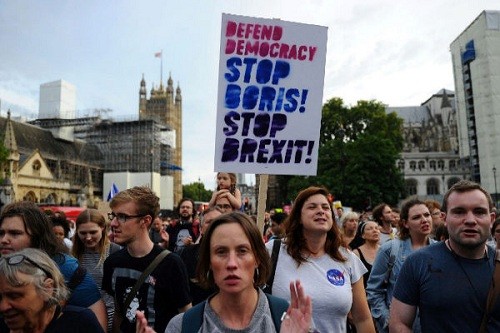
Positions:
{"x": 122, "y": 218}
{"x": 19, "y": 258}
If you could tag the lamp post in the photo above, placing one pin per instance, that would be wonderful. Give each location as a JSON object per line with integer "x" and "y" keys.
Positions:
{"x": 495, "y": 180}
{"x": 402, "y": 166}
{"x": 444, "y": 185}
{"x": 340, "y": 133}
{"x": 152, "y": 152}
{"x": 199, "y": 189}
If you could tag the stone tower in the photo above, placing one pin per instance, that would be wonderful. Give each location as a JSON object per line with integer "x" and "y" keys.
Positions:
{"x": 166, "y": 108}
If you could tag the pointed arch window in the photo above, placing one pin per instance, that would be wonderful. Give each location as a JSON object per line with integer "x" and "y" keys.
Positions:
{"x": 36, "y": 167}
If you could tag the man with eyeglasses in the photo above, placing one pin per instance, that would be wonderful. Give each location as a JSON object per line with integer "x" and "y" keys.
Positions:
{"x": 223, "y": 203}
{"x": 165, "y": 292}
{"x": 183, "y": 231}
{"x": 437, "y": 215}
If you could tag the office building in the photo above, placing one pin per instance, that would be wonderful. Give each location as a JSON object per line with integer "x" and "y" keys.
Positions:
{"x": 476, "y": 69}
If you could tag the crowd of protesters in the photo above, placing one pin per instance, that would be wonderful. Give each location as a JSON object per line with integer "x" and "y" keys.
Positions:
{"x": 327, "y": 269}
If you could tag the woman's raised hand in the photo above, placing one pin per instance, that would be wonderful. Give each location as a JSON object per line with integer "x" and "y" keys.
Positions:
{"x": 299, "y": 313}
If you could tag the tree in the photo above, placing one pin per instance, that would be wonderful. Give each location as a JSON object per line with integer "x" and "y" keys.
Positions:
{"x": 358, "y": 150}
{"x": 196, "y": 191}
{"x": 4, "y": 154}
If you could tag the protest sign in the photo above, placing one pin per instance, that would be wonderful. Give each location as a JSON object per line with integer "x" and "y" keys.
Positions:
{"x": 270, "y": 92}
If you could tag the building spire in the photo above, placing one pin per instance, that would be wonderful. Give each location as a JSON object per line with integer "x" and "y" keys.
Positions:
{"x": 178, "y": 96}
{"x": 9, "y": 139}
{"x": 170, "y": 84}
{"x": 10, "y": 143}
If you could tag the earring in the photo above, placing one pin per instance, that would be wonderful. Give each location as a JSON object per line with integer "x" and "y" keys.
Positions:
{"x": 208, "y": 275}
{"x": 257, "y": 273}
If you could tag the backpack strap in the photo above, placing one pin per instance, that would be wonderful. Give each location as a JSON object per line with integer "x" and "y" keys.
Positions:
{"x": 274, "y": 262}
{"x": 143, "y": 277}
{"x": 113, "y": 247}
{"x": 493, "y": 293}
{"x": 193, "y": 318}
{"x": 277, "y": 306}
{"x": 76, "y": 278}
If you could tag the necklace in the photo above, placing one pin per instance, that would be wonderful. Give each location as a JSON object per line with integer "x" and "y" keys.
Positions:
{"x": 314, "y": 254}
{"x": 457, "y": 259}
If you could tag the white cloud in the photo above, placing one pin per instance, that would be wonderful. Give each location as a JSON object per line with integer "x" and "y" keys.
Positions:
{"x": 395, "y": 52}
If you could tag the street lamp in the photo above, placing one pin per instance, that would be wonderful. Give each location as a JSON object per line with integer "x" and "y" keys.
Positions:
{"x": 402, "y": 165}
{"x": 340, "y": 133}
{"x": 495, "y": 180}
{"x": 444, "y": 185}
{"x": 199, "y": 189}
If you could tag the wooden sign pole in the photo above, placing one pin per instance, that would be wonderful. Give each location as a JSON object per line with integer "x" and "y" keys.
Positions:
{"x": 262, "y": 200}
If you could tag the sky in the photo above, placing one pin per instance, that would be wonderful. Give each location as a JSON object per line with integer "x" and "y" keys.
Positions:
{"x": 396, "y": 52}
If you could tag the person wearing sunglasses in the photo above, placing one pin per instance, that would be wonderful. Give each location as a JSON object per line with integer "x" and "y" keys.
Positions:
{"x": 33, "y": 294}
{"x": 165, "y": 292}
{"x": 24, "y": 225}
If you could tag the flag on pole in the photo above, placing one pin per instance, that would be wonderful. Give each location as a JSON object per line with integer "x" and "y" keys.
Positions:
{"x": 114, "y": 191}
{"x": 158, "y": 54}
{"x": 169, "y": 166}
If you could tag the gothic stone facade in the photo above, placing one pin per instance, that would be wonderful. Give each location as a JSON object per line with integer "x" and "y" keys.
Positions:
{"x": 430, "y": 160}
{"x": 166, "y": 108}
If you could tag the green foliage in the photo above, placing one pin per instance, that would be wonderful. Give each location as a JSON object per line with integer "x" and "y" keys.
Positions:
{"x": 4, "y": 153}
{"x": 196, "y": 191}
{"x": 359, "y": 147}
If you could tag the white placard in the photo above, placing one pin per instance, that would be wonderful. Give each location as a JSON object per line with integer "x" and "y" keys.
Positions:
{"x": 271, "y": 76}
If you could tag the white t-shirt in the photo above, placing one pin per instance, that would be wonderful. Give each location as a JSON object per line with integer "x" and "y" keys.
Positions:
{"x": 326, "y": 280}
{"x": 387, "y": 237}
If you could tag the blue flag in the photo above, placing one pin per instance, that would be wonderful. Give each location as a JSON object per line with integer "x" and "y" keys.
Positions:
{"x": 114, "y": 190}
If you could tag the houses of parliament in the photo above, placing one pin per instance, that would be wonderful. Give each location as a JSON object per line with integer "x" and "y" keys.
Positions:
{"x": 64, "y": 160}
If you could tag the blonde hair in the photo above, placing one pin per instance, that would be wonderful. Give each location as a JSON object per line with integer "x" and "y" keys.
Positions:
{"x": 146, "y": 200}
{"x": 348, "y": 216}
{"x": 37, "y": 275}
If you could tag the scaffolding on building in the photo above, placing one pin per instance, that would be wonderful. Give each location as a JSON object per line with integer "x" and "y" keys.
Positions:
{"x": 133, "y": 146}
